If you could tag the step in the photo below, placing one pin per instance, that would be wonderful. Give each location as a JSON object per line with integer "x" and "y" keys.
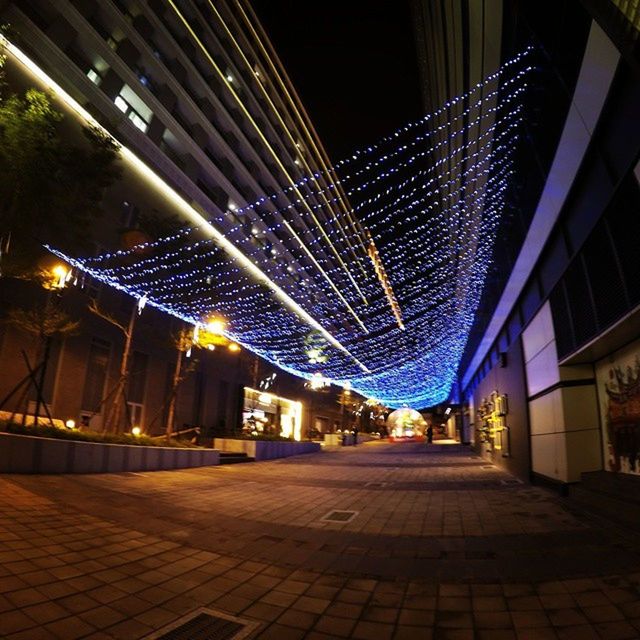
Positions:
{"x": 452, "y": 448}
{"x": 231, "y": 457}
{"x": 618, "y": 485}
{"x": 615, "y": 496}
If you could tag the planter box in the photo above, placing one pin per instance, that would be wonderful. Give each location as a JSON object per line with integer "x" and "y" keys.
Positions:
{"x": 265, "y": 449}
{"x": 28, "y": 454}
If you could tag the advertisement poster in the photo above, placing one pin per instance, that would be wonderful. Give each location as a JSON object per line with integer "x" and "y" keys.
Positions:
{"x": 619, "y": 394}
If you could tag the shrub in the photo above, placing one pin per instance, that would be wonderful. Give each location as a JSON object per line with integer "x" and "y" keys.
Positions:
{"x": 47, "y": 431}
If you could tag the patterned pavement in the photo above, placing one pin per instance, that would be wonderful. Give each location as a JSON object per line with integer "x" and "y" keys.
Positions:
{"x": 378, "y": 541}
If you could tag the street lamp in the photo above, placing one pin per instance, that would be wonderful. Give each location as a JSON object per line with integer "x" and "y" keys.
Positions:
{"x": 61, "y": 275}
{"x": 56, "y": 281}
{"x": 216, "y": 326}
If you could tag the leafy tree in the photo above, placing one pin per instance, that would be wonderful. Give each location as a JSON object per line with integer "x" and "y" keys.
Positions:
{"x": 50, "y": 189}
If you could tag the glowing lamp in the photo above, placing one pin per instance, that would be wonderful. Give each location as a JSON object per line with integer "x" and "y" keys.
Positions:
{"x": 217, "y": 326}
{"x": 70, "y": 424}
{"x": 61, "y": 273}
{"x": 234, "y": 346}
{"x": 136, "y": 431}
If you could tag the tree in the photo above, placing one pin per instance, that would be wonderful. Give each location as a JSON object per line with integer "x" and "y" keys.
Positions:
{"x": 46, "y": 322}
{"x": 50, "y": 190}
{"x": 113, "y": 420}
{"x": 183, "y": 343}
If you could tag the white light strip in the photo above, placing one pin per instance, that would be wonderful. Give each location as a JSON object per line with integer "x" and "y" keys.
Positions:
{"x": 279, "y": 73}
{"x": 277, "y": 160}
{"x": 177, "y": 200}
{"x": 288, "y": 132}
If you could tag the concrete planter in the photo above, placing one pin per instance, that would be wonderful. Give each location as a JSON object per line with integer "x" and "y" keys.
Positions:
{"x": 340, "y": 439}
{"x": 28, "y": 454}
{"x": 265, "y": 449}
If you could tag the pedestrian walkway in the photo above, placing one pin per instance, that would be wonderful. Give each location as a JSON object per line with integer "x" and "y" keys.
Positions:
{"x": 377, "y": 541}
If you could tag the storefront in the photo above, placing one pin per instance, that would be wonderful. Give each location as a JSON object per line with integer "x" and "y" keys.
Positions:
{"x": 267, "y": 414}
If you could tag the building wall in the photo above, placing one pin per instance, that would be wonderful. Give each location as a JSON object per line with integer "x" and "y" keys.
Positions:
{"x": 576, "y": 303}
{"x": 507, "y": 380}
{"x": 562, "y": 405}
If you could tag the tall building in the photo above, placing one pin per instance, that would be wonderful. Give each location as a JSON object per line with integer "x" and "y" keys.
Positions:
{"x": 211, "y": 132}
{"x": 550, "y": 374}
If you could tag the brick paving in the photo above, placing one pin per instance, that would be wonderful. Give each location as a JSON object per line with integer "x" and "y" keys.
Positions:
{"x": 441, "y": 546}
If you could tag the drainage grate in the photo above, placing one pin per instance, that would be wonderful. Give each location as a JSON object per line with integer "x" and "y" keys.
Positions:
{"x": 376, "y": 485}
{"x": 488, "y": 466}
{"x": 205, "y": 624}
{"x": 340, "y": 516}
{"x": 511, "y": 481}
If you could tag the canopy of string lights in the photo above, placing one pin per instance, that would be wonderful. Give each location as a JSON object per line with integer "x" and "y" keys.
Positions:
{"x": 381, "y": 295}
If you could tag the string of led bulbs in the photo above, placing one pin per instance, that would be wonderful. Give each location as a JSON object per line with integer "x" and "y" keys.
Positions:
{"x": 432, "y": 195}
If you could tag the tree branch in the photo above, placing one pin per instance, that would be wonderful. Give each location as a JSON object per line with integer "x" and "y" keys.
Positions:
{"x": 94, "y": 308}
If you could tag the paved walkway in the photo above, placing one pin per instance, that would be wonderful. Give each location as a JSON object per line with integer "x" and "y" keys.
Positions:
{"x": 379, "y": 541}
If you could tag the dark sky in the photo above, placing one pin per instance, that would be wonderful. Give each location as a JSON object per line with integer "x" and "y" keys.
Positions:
{"x": 353, "y": 63}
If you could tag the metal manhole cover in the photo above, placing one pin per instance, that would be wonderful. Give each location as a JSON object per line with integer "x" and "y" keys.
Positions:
{"x": 206, "y": 624}
{"x": 340, "y": 516}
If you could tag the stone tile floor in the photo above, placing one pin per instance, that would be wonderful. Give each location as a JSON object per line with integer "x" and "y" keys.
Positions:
{"x": 441, "y": 546}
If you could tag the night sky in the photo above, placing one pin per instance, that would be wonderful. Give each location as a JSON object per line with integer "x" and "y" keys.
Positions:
{"x": 353, "y": 63}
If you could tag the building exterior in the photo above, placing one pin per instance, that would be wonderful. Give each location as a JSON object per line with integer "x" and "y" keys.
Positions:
{"x": 551, "y": 374}
{"x": 197, "y": 98}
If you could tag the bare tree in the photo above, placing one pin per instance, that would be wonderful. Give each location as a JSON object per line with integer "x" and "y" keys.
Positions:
{"x": 119, "y": 403}
{"x": 183, "y": 343}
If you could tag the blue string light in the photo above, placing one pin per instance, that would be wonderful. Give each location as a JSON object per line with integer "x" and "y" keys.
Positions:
{"x": 431, "y": 195}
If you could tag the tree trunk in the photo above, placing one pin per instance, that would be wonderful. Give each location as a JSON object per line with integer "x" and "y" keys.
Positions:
{"x": 174, "y": 393}
{"x": 114, "y": 417}
{"x": 40, "y": 385}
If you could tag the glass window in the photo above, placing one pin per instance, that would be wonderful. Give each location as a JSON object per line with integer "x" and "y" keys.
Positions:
{"x": 94, "y": 76}
{"x": 137, "y": 377}
{"x": 96, "y": 375}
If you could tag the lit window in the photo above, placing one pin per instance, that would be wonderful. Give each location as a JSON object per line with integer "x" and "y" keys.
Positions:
{"x": 138, "y": 121}
{"x": 133, "y": 114}
{"x": 122, "y": 104}
{"x": 259, "y": 74}
{"x": 94, "y": 76}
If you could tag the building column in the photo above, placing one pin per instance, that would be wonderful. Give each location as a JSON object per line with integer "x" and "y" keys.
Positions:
{"x": 563, "y": 407}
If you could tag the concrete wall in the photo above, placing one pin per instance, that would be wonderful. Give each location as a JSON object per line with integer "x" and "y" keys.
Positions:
{"x": 507, "y": 380}
{"x": 265, "y": 449}
{"x": 563, "y": 407}
{"x": 28, "y": 454}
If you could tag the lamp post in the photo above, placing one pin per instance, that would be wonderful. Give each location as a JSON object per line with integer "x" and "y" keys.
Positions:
{"x": 55, "y": 284}
{"x": 202, "y": 336}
